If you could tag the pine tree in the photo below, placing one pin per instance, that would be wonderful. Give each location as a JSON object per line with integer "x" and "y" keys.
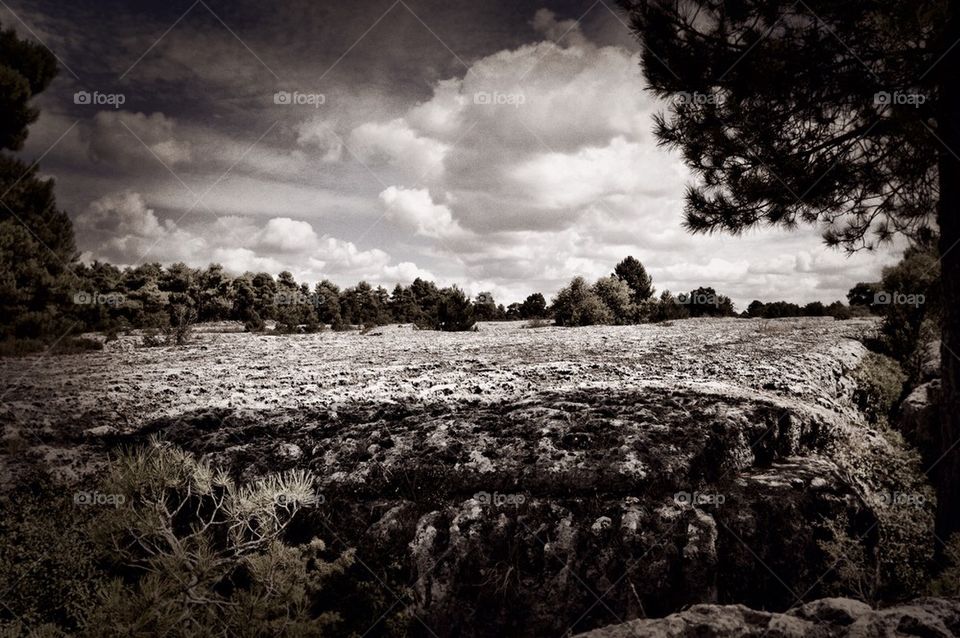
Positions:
{"x": 840, "y": 114}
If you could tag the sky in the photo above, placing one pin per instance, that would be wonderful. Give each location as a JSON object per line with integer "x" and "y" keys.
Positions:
{"x": 499, "y": 145}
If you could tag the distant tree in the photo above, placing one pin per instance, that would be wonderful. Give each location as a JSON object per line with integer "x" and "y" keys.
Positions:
{"x": 533, "y": 307}
{"x": 618, "y": 297}
{"x": 778, "y": 309}
{"x": 454, "y": 312}
{"x": 403, "y": 305}
{"x": 244, "y": 301}
{"x": 485, "y": 308}
{"x": 705, "y": 302}
{"x": 382, "y": 300}
{"x": 578, "y": 305}
{"x": 862, "y": 294}
{"x": 264, "y": 291}
{"x": 514, "y": 311}
{"x": 668, "y": 308}
{"x": 631, "y": 272}
{"x": 838, "y": 310}
{"x": 814, "y": 309}
{"x": 365, "y": 306}
{"x": 427, "y": 297}
{"x": 756, "y": 308}
{"x": 288, "y": 303}
{"x": 213, "y": 294}
{"x": 141, "y": 275}
{"x": 176, "y": 278}
{"x": 309, "y": 317}
{"x": 327, "y": 299}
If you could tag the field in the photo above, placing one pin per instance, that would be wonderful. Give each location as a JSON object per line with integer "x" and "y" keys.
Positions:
{"x": 594, "y": 475}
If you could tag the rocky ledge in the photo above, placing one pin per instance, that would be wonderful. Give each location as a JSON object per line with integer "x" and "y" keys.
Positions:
{"x": 534, "y": 481}
{"x": 826, "y": 618}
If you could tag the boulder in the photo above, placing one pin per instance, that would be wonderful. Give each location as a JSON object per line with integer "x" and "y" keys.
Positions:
{"x": 920, "y": 418}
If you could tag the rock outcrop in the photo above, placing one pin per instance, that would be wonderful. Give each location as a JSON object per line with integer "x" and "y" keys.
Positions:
{"x": 826, "y": 618}
{"x": 531, "y": 482}
{"x": 919, "y": 419}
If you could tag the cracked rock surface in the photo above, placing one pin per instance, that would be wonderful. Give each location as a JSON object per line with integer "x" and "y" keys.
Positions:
{"x": 525, "y": 481}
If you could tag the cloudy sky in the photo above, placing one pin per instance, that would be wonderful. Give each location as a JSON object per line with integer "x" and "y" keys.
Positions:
{"x": 501, "y": 145}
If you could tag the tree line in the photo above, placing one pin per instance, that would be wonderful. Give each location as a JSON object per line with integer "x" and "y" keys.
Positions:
{"x": 151, "y": 296}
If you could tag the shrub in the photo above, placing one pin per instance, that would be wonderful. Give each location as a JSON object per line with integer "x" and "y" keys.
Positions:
{"x": 177, "y": 332}
{"x": 667, "y": 308}
{"x": 876, "y": 565}
{"x": 947, "y": 583}
{"x": 533, "y": 307}
{"x": 839, "y": 311}
{"x": 152, "y": 338}
{"x": 578, "y": 305}
{"x": 181, "y": 549}
{"x": 914, "y": 278}
{"x": 616, "y": 295}
{"x": 537, "y": 323}
{"x": 47, "y": 560}
{"x": 182, "y": 320}
{"x": 254, "y": 323}
{"x": 705, "y": 302}
{"x": 879, "y": 386}
{"x": 208, "y": 553}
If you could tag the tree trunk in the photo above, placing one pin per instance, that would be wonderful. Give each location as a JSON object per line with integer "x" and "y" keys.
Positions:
{"x": 946, "y": 472}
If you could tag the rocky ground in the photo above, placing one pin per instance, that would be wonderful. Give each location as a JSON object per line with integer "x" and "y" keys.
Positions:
{"x": 530, "y": 480}
{"x": 827, "y": 618}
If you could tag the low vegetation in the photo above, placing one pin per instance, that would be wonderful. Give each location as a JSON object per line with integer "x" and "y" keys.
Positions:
{"x": 167, "y": 545}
